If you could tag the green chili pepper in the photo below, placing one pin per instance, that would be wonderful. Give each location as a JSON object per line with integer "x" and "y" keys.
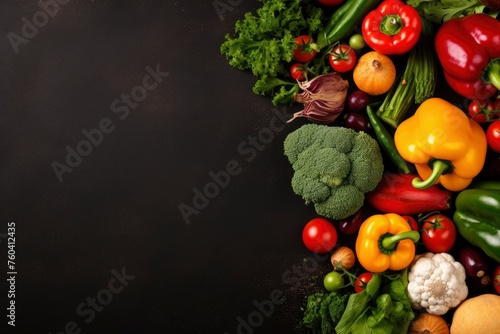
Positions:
{"x": 477, "y": 216}
{"x": 386, "y": 141}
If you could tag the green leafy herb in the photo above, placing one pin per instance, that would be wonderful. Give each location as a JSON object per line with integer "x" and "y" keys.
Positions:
{"x": 440, "y": 11}
{"x": 264, "y": 42}
{"x": 383, "y": 307}
{"x": 324, "y": 311}
{"x": 283, "y": 91}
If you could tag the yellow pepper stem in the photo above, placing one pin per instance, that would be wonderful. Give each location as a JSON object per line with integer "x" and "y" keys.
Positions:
{"x": 439, "y": 167}
{"x": 388, "y": 242}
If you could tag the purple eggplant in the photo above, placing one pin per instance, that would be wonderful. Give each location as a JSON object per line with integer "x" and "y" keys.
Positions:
{"x": 478, "y": 283}
{"x": 351, "y": 224}
{"x": 474, "y": 261}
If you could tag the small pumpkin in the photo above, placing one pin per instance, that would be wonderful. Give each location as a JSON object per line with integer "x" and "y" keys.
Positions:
{"x": 426, "y": 323}
{"x": 375, "y": 73}
{"x": 478, "y": 314}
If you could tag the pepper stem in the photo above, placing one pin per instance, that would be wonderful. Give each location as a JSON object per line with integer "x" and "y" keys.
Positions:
{"x": 439, "y": 167}
{"x": 389, "y": 242}
{"x": 391, "y": 25}
{"x": 494, "y": 73}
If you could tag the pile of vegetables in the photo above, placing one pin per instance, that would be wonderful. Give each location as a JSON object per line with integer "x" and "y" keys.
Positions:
{"x": 405, "y": 183}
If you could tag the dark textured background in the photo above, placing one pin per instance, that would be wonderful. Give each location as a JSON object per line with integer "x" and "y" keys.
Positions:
{"x": 118, "y": 210}
{"x": 119, "y": 207}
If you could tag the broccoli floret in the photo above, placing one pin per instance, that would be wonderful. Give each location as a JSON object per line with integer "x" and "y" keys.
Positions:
{"x": 323, "y": 311}
{"x": 342, "y": 202}
{"x": 333, "y": 167}
{"x": 312, "y": 316}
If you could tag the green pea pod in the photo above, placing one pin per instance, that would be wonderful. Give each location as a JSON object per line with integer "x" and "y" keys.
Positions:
{"x": 477, "y": 216}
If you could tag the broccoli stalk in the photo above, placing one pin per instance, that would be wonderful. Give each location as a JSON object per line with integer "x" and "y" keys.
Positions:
{"x": 333, "y": 167}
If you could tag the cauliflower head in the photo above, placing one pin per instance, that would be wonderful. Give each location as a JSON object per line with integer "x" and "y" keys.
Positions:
{"x": 436, "y": 282}
{"x": 333, "y": 167}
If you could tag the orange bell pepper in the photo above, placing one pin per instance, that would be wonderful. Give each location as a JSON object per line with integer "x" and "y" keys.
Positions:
{"x": 386, "y": 242}
{"x": 446, "y": 146}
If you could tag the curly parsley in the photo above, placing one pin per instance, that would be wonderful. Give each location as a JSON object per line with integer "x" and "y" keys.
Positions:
{"x": 264, "y": 41}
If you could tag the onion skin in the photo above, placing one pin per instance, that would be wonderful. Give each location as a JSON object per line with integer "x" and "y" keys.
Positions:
{"x": 426, "y": 323}
{"x": 324, "y": 98}
{"x": 343, "y": 256}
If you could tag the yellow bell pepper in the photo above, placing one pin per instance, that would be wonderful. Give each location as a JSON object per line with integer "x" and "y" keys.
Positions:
{"x": 386, "y": 242}
{"x": 446, "y": 145}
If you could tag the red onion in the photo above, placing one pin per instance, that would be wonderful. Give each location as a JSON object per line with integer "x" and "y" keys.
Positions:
{"x": 323, "y": 97}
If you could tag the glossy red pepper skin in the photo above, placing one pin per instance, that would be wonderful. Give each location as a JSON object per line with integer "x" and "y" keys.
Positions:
{"x": 393, "y": 28}
{"x": 396, "y": 194}
{"x": 465, "y": 48}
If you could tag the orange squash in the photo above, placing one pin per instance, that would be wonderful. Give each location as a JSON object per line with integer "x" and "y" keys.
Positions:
{"x": 478, "y": 314}
{"x": 426, "y": 323}
{"x": 374, "y": 73}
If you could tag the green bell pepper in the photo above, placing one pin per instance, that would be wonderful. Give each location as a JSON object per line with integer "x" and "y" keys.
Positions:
{"x": 477, "y": 216}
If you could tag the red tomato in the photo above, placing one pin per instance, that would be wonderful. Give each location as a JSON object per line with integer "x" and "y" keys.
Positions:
{"x": 438, "y": 233}
{"x": 496, "y": 279}
{"x": 304, "y": 51}
{"x": 343, "y": 58}
{"x": 493, "y": 136}
{"x": 412, "y": 222}
{"x": 481, "y": 111}
{"x": 319, "y": 236}
{"x": 331, "y": 2}
{"x": 297, "y": 71}
{"x": 362, "y": 280}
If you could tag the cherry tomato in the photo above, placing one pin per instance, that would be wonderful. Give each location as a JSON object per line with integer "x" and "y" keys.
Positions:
{"x": 361, "y": 282}
{"x": 331, "y": 2}
{"x": 496, "y": 279}
{"x": 357, "y": 42}
{"x": 493, "y": 136}
{"x": 304, "y": 51}
{"x": 343, "y": 58}
{"x": 297, "y": 71}
{"x": 438, "y": 233}
{"x": 481, "y": 111}
{"x": 411, "y": 221}
{"x": 319, "y": 236}
{"x": 333, "y": 281}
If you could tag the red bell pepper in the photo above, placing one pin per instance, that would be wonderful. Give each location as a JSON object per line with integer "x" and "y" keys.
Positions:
{"x": 396, "y": 194}
{"x": 468, "y": 49}
{"x": 392, "y": 28}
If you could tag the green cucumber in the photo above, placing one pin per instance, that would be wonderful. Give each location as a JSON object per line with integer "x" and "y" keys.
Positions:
{"x": 344, "y": 20}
